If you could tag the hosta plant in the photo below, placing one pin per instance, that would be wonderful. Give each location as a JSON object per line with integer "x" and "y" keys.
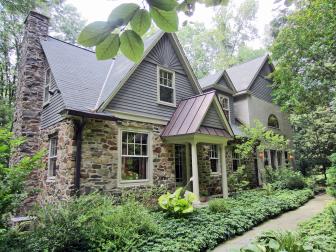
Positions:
{"x": 176, "y": 203}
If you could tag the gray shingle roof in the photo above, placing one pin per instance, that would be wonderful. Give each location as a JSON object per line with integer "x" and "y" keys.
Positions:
{"x": 78, "y": 74}
{"x": 81, "y": 77}
{"x": 210, "y": 79}
{"x": 242, "y": 75}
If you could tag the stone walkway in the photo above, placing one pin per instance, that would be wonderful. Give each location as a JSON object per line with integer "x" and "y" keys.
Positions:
{"x": 287, "y": 221}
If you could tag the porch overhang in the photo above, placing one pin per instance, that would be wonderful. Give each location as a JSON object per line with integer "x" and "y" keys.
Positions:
{"x": 196, "y": 138}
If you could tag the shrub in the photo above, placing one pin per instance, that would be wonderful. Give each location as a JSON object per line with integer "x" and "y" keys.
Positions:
{"x": 12, "y": 178}
{"x": 220, "y": 205}
{"x": 175, "y": 203}
{"x": 331, "y": 176}
{"x": 285, "y": 178}
{"x": 238, "y": 180}
{"x": 90, "y": 222}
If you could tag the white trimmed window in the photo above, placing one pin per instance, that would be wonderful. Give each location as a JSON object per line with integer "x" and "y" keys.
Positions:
{"x": 214, "y": 158}
{"x": 52, "y": 157}
{"x": 47, "y": 83}
{"x": 166, "y": 87}
{"x": 225, "y": 103}
{"x": 134, "y": 156}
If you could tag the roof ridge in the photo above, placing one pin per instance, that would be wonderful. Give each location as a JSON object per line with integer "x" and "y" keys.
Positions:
{"x": 68, "y": 43}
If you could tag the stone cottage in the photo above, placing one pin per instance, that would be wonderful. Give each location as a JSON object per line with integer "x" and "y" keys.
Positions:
{"x": 114, "y": 124}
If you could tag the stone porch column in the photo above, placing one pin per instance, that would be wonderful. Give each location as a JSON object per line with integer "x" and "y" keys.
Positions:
{"x": 276, "y": 159}
{"x": 195, "y": 170}
{"x": 224, "y": 173}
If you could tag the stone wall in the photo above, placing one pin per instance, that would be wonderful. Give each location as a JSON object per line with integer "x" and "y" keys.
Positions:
{"x": 99, "y": 169}
{"x": 60, "y": 187}
{"x": 29, "y": 91}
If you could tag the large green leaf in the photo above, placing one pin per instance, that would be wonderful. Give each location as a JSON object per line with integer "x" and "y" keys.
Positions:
{"x": 131, "y": 45}
{"x": 94, "y": 33}
{"x": 165, "y": 20}
{"x": 141, "y": 22}
{"x": 108, "y": 48}
{"x": 122, "y": 14}
{"x": 167, "y": 5}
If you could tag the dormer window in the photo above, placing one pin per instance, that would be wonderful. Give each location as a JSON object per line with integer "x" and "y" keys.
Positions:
{"x": 273, "y": 122}
{"x": 47, "y": 83}
{"x": 225, "y": 103}
{"x": 166, "y": 87}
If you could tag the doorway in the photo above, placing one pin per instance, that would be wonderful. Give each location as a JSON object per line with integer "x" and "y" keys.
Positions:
{"x": 180, "y": 164}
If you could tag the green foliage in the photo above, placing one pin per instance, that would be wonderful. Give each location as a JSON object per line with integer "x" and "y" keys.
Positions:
{"x": 131, "y": 45}
{"x": 260, "y": 138}
{"x": 12, "y": 178}
{"x": 204, "y": 229}
{"x": 305, "y": 54}
{"x": 220, "y": 205}
{"x": 162, "y": 12}
{"x": 238, "y": 180}
{"x": 88, "y": 223}
{"x": 95, "y": 223}
{"x": 176, "y": 204}
{"x": 285, "y": 178}
{"x": 275, "y": 242}
{"x": 331, "y": 176}
{"x": 108, "y": 47}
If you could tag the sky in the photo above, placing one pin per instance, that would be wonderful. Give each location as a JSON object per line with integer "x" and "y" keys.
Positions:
{"x": 100, "y": 9}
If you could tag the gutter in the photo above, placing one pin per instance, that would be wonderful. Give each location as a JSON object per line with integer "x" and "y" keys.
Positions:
{"x": 85, "y": 114}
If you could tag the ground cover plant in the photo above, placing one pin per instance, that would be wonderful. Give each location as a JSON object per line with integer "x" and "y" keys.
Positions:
{"x": 96, "y": 222}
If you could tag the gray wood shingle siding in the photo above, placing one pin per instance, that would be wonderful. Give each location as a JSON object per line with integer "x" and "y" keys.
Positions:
{"x": 261, "y": 87}
{"x": 50, "y": 113}
{"x": 212, "y": 119}
{"x": 139, "y": 93}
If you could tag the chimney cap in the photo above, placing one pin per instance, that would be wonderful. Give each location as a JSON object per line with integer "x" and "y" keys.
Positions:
{"x": 37, "y": 15}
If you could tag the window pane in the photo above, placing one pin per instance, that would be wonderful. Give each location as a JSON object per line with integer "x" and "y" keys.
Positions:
{"x": 124, "y": 137}
{"x": 144, "y": 138}
{"x": 130, "y": 137}
{"x": 166, "y": 94}
{"x": 213, "y": 164}
{"x": 137, "y": 138}
{"x": 137, "y": 148}
{"x": 53, "y": 147}
{"x": 52, "y": 167}
{"x": 124, "y": 149}
{"x": 144, "y": 150}
{"x": 134, "y": 168}
{"x": 130, "y": 149}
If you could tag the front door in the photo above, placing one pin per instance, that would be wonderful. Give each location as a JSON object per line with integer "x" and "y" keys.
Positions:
{"x": 180, "y": 164}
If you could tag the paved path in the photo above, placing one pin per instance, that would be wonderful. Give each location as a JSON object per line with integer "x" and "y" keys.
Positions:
{"x": 287, "y": 221}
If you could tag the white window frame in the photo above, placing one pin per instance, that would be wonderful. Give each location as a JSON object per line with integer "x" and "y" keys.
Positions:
{"x": 221, "y": 96}
{"x": 214, "y": 155}
{"x": 173, "y": 104}
{"x": 46, "y": 86}
{"x": 52, "y": 140}
{"x": 129, "y": 183}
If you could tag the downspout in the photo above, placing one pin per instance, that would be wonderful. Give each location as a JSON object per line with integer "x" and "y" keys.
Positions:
{"x": 79, "y": 126}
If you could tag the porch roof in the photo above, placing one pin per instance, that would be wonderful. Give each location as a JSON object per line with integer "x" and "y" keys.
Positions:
{"x": 189, "y": 115}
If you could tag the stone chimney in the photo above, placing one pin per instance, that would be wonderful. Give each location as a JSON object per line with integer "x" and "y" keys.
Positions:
{"x": 29, "y": 90}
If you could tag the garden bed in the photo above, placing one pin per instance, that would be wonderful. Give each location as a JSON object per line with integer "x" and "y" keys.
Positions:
{"x": 205, "y": 229}
{"x": 95, "y": 223}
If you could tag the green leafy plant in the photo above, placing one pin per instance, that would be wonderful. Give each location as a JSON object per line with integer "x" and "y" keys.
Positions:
{"x": 177, "y": 204}
{"x": 220, "y": 205}
{"x": 268, "y": 188}
{"x": 285, "y": 178}
{"x": 88, "y": 223}
{"x": 331, "y": 176}
{"x": 129, "y": 21}
{"x": 12, "y": 177}
{"x": 238, "y": 180}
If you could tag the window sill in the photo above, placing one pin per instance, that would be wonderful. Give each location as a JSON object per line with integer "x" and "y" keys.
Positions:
{"x": 51, "y": 179}
{"x": 130, "y": 183}
{"x": 167, "y": 104}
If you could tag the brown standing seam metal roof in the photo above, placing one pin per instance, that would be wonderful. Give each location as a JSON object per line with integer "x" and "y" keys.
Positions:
{"x": 188, "y": 117}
